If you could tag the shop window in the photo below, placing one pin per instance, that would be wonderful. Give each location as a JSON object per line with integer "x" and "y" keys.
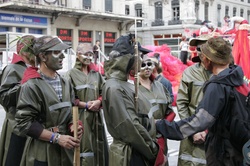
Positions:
{"x": 4, "y": 29}
{"x": 19, "y": 29}
{"x": 35, "y": 31}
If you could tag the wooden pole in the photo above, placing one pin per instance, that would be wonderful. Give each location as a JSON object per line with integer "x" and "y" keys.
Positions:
{"x": 76, "y": 161}
{"x": 136, "y": 80}
{"x": 96, "y": 123}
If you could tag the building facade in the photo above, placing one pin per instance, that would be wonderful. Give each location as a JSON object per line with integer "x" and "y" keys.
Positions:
{"x": 165, "y": 21}
{"x": 85, "y": 21}
{"x": 74, "y": 21}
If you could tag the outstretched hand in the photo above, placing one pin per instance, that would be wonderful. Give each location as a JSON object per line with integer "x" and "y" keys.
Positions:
{"x": 199, "y": 138}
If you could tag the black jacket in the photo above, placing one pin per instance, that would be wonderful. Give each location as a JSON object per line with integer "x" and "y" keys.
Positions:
{"x": 210, "y": 113}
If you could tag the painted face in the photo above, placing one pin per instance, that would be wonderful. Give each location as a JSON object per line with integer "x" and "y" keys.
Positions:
{"x": 146, "y": 68}
{"x": 55, "y": 60}
{"x": 85, "y": 58}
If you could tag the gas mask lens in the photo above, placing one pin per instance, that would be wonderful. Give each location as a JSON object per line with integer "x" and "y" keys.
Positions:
{"x": 146, "y": 65}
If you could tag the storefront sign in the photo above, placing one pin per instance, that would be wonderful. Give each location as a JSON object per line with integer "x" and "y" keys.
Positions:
{"x": 109, "y": 37}
{"x": 22, "y": 19}
{"x": 85, "y": 36}
{"x": 65, "y": 35}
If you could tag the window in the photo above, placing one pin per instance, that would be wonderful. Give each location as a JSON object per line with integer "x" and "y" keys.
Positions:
{"x": 227, "y": 11}
{"x": 248, "y": 15}
{"x": 138, "y": 10}
{"x": 175, "y": 10}
{"x": 35, "y": 31}
{"x": 158, "y": 10}
{"x": 138, "y": 13}
{"x": 86, "y": 4}
{"x": 206, "y": 10}
{"x": 19, "y": 29}
{"x": 62, "y": 2}
{"x": 219, "y": 14}
{"x": 34, "y": 1}
{"x": 234, "y": 11}
{"x": 241, "y": 12}
{"x": 197, "y": 4}
{"x": 108, "y": 6}
{"x": 127, "y": 9}
{"x": 4, "y": 29}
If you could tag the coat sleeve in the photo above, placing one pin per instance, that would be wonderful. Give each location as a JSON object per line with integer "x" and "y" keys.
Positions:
{"x": 208, "y": 110}
{"x": 9, "y": 88}
{"x": 28, "y": 113}
{"x": 182, "y": 100}
{"x": 124, "y": 125}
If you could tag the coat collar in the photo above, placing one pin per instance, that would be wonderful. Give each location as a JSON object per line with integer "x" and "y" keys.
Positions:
{"x": 29, "y": 73}
{"x": 17, "y": 58}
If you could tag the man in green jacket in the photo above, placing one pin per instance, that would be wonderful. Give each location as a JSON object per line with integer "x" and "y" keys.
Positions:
{"x": 44, "y": 108}
{"x": 11, "y": 145}
{"x": 133, "y": 132}
{"x": 192, "y": 152}
{"x": 87, "y": 85}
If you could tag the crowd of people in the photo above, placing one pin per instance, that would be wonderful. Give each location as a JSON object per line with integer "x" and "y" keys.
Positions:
{"x": 137, "y": 106}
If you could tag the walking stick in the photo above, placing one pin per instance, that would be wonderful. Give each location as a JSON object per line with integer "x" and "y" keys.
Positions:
{"x": 96, "y": 123}
{"x": 76, "y": 161}
{"x": 136, "y": 80}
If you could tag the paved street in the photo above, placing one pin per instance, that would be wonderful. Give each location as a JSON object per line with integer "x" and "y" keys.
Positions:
{"x": 172, "y": 145}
